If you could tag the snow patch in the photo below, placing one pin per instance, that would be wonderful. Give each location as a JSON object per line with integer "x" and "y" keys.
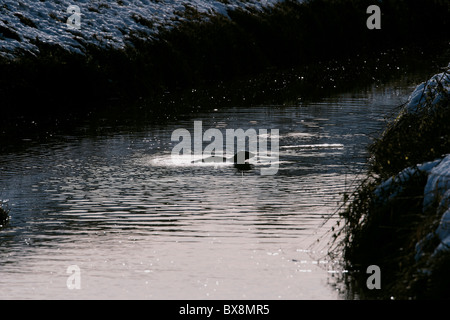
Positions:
{"x": 106, "y": 24}
{"x": 437, "y": 188}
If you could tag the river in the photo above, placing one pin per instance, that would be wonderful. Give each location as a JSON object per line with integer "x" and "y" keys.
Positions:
{"x": 136, "y": 225}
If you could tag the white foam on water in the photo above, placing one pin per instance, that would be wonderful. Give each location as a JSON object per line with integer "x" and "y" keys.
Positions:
{"x": 315, "y": 146}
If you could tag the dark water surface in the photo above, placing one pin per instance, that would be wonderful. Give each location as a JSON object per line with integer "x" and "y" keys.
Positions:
{"x": 140, "y": 226}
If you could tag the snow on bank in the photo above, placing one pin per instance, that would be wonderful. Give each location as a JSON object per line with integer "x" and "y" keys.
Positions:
{"x": 103, "y": 23}
{"x": 429, "y": 92}
{"x": 437, "y": 189}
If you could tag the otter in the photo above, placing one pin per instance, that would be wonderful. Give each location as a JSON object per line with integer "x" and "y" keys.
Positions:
{"x": 240, "y": 160}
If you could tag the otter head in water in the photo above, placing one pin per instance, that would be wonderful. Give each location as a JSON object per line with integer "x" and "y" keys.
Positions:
{"x": 241, "y": 160}
{"x": 242, "y": 157}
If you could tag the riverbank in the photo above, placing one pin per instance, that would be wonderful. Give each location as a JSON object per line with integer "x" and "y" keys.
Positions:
{"x": 398, "y": 217}
{"x": 61, "y": 73}
{"x": 4, "y": 216}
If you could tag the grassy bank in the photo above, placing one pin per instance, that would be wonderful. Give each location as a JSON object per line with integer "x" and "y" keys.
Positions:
{"x": 199, "y": 52}
{"x": 386, "y": 217}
